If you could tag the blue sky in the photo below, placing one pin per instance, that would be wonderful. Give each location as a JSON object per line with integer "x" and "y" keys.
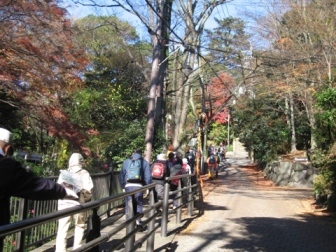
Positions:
{"x": 234, "y": 8}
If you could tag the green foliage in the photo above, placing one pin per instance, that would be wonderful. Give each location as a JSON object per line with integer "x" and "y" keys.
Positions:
{"x": 113, "y": 101}
{"x": 129, "y": 139}
{"x": 324, "y": 183}
{"x": 218, "y": 133}
{"x": 124, "y": 140}
{"x": 261, "y": 128}
{"x": 325, "y": 130}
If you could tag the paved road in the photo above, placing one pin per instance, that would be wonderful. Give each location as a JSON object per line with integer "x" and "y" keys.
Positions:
{"x": 243, "y": 214}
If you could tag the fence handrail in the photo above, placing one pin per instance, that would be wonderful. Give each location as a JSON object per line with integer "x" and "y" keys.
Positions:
{"x": 35, "y": 221}
{"x": 131, "y": 230}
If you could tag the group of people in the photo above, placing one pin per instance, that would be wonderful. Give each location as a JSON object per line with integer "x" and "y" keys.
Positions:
{"x": 215, "y": 156}
{"x": 219, "y": 151}
{"x": 18, "y": 182}
{"x": 136, "y": 172}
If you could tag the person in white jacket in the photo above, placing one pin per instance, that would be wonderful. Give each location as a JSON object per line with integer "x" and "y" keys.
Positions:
{"x": 76, "y": 163}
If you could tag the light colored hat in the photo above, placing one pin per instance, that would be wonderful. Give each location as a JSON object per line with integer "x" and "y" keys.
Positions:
{"x": 161, "y": 157}
{"x": 76, "y": 159}
{"x": 185, "y": 161}
{"x": 6, "y": 136}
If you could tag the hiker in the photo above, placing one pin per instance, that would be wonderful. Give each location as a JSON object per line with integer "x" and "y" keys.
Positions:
{"x": 186, "y": 167}
{"x": 212, "y": 165}
{"x": 76, "y": 164}
{"x": 190, "y": 156}
{"x": 222, "y": 151}
{"x": 171, "y": 160}
{"x": 176, "y": 170}
{"x": 135, "y": 173}
{"x": 160, "y": 171}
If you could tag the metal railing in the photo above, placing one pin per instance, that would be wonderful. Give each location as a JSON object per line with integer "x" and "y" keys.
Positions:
{"x": 186, "y": 196}
{"x": 105, "y": 184}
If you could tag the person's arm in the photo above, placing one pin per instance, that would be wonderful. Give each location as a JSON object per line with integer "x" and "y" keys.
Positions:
{"x": 17, "y": 182}
{"x": 147, "y": 172}
{"x": 122, "y": 175}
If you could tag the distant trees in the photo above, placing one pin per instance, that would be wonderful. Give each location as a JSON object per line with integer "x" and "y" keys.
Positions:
{"x": 115, "y": 93}
{"x": 293, "y": 88}
{"x": 38, "y": 62}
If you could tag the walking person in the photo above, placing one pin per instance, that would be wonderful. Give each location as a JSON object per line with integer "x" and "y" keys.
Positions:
{"x": 16, "y": 181}
{"x": 76, "y": 164}
{"x": 186, "y": 167}
{"x": 160, "y": 171}
{"x": 212, "y": 165}
{"x": 135, "y": 173}
{"x": 222, "y": 151}
{"x": 176, "y": 170}
{"x": 190, "y": 156}
{"x": 171, "y": 160}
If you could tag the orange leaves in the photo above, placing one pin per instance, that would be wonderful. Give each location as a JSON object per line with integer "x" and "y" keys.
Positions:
{"x": 285, "y": 43}
{"x": 219, "y": 90}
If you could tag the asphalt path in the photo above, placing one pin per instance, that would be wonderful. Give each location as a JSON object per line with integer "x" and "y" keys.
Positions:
{"x": 244, "y": 212}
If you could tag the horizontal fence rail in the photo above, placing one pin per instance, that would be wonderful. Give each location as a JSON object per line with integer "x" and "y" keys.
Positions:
{"x": 43, "y": 225}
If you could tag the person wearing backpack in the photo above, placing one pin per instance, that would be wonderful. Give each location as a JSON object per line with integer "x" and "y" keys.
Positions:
{"x": 76, "y": 164}
{"x": 171, "y": 160}
{"x": 135, "y": 173}
{"x": 160, "y": 171}
{"x": 212, "y": 165}
{"x": 176, "y": 170}
{"x": 190, "y": 156}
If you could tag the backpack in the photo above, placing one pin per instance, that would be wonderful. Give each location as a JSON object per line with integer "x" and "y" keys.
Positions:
{"x": 133, "y": 171}
{"x": 158, "y": 170}
{"x": 184, "y": 166}
{"x": 212, "y": 159}
{"x": 175, "y": 172}
{"x": 85, "y": 196}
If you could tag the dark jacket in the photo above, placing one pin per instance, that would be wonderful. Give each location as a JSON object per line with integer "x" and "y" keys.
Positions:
{"x": 145, "y": 169}
{"x": 16, "y": 181}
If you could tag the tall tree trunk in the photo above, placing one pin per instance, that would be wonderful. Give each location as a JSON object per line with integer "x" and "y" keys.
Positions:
{"x": 156, "y": 77}
{"x": 292, "y": 123}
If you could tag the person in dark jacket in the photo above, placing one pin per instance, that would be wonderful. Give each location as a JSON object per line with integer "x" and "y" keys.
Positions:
{"x": 130, "y": 184}
{"x": 176, "y": 170}
{"x": 16, "y": 181}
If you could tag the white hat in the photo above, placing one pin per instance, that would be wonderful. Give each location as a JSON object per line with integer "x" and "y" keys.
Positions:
{"x": 161, "y": 157}
{"x": 185, "y": 161}
{"x": 6, "y": 136}
{"x": 76, "y": 159}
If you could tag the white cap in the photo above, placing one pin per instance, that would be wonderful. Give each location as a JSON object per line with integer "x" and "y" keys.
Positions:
{"x": 161, "y": 157}
{"x": 185, "y": 161}
{"x": 6, "y": 136}
{"x": 76, "y": 159}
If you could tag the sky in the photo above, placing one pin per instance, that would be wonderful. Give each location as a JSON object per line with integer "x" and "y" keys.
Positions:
{"x": 234, "y": 8}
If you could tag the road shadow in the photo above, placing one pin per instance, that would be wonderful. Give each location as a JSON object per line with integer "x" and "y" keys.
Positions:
{"x": 307, "y": 233}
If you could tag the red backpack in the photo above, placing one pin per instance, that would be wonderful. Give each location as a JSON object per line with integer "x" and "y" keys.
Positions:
{"x": 158, "y": 170}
